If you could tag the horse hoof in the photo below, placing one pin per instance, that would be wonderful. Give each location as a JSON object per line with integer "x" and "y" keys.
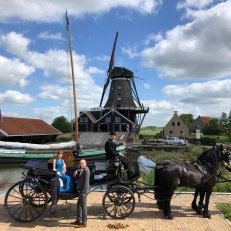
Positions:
{"x": 199, "y": 211}
{"x": 207, "y": 215}
{"x": 194, "y": 207}
{"x": 169, "y": 217}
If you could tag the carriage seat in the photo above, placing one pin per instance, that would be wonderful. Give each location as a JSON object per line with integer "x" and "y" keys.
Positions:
{"x": 102, "y": 167}
{"x": 68, "y": 196}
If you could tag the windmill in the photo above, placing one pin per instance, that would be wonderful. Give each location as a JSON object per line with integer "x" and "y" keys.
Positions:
{"x": 123, "y": 95}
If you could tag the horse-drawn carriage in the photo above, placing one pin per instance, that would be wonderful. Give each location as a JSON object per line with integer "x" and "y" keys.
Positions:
{"x": 27, "y": 200}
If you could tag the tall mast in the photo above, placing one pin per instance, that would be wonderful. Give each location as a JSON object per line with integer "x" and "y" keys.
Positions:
{"x": 73, "y": 82}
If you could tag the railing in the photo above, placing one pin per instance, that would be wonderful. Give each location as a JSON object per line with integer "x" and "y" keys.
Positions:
{"x": 120, "y": 107}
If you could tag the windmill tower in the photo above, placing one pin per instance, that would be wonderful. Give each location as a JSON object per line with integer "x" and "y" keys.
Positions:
{"x": 123, "y": 95}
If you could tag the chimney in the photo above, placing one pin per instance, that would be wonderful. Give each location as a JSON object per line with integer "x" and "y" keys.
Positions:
{"x": 175, "y": 112}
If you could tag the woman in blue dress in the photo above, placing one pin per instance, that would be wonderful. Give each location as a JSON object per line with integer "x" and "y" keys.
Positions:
{"x": 60, "y": 166}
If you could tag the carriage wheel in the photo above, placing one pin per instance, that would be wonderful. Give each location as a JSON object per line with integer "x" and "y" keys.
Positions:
{"x": 26, "y": 201}
{"x": 43, "y": 185}
{"x": 118, "y": 202}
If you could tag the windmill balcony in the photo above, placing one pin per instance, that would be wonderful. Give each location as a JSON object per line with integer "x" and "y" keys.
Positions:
{"x": 121, "y": 108}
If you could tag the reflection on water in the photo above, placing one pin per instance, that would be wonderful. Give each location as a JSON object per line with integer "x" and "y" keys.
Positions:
{"x": 10, "y": 173}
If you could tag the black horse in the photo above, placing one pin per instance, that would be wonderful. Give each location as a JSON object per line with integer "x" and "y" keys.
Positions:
{"x": 201, "y": 191}
{"x": 169, "y": 175}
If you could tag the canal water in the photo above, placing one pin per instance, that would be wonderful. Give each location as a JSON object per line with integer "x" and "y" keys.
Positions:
{"x": 10, "y": 173}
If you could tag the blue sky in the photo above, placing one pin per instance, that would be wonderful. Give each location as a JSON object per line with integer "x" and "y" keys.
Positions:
{"x": 180, "y": 52}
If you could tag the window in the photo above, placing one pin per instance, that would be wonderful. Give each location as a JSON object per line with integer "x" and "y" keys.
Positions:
{"x": 81, "y": 119}
{"x": 119, "y": 96}
{"x": 117, "y": 119}
{"x": 178, "y": 124}
{"x": 85, "y": 119}
{"x": 119, "y": 87}
{"x": 108, "y": 119}
{"x": 173, "y": 124}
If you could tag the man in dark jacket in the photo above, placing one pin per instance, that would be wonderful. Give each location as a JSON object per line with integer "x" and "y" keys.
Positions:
{"x": 112, "y": 154}
{"x": 83, "y": 189}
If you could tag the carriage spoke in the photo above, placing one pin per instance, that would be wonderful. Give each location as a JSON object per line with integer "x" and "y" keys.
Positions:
{"x": 118, "y": 202}
{"x": 29, "y": 204}
{"x": 17, "y": 208}
{"x": 31, "y": 212}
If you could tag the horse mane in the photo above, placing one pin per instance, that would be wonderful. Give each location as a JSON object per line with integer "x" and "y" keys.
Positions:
{"x": 203, "y": 156}
{"x": 211, "y": 156}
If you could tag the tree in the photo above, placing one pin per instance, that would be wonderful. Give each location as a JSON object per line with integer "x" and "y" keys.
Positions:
{"x": 187, "y": 119}
{"x": 229, "y": 126}
{"x": 223, "y": 121}
{"x": 62, "y": 124}
{"x": 212, "y": 128}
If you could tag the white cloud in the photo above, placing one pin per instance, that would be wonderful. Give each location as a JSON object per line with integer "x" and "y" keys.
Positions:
{"x": 13, "y": 71}
{"x": 210, "y": 92}
{"x": 200, "y": 49}
{"x": 147, "y": 86}
{"x": 200, "y": 4}
{"x": 15, "y": 43}
{"x": 153, "y": 38}
{"x": 53, "y": 11}
{"x": 51, "y": 62}
{"x": 15, "y": 98}
{"x": 95, "y": 70}
{"x": 47, "y": 35}
{"x": 130, "y": 51}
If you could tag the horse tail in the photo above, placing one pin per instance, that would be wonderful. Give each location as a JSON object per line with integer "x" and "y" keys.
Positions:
{"x": 162, "y": 190}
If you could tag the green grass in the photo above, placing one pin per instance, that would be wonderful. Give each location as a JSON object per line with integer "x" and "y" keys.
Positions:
{"x": 150, "y": 133}
{"x": 225, "y": 209}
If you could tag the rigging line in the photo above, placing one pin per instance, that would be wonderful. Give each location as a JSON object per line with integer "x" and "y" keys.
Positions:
{"x": 134, "y": 95}
{"x": 134, "y": 86}
{"x": 135, "y": 91}
{"x": 4, "y": 98}
{"x": 135, "y": 66}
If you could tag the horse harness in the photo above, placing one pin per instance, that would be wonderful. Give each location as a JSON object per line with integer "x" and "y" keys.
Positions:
{"x": 198, "y": 167}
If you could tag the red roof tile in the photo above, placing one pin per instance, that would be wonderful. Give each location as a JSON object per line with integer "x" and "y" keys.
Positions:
{"x": 22, "y": 126}
{"x": 91, "y": 116}
{"x": 205, "y": 119}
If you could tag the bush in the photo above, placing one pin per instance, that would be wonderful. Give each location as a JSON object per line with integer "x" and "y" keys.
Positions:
{"x": 212, "y": 142}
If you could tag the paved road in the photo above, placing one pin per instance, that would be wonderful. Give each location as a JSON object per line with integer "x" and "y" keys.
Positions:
{"x": 146, "y": 217}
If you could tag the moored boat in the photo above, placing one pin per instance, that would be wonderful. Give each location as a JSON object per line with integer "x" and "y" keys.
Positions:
{"x": 47, "y": 155}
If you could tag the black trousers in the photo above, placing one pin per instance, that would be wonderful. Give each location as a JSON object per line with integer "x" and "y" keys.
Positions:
{"x": 124, "y": 160}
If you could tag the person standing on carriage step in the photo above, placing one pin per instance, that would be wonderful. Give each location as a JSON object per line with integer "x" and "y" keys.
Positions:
{"x": 83, "y": 189}
{"x": 112, "y": 154}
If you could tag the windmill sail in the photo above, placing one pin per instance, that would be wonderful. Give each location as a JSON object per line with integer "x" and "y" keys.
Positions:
{"x": 111, "y": 64}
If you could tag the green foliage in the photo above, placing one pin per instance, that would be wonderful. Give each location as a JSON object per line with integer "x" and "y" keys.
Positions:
{"x": 211, "y": 141}
{"x": 63, "y": 139}
{"x": 212, "y": 128}
{"x": 225, "y": 208}
{"x": 153, "y": 133}
{"x": 229, "y": 127}
{"x": 148, "y": 177}
{"x": 187, "y": 119}
{"x": 62, "y": 124}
